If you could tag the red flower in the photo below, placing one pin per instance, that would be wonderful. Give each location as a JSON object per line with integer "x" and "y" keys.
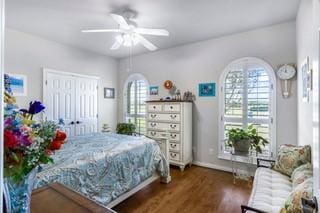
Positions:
{"x": 60, "y": 135}
{"x": 55, "y": 145}
{"x": 10, "y": 141}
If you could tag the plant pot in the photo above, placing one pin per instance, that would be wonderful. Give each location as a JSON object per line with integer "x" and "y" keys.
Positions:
{"x": 17, "y": 195}
{"x": 241, "y": 147}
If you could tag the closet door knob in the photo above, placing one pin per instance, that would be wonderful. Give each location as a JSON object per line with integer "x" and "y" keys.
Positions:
{"x": 71, "y": 123}
{"x": 78, "y": 122}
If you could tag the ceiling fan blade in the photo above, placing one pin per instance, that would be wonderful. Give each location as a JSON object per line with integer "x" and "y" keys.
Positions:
{"x": 120, "y": 20}
{"x": 148, "y": 31}
{"x": 115, "y": 46}
{"x": 102, "y": 31}
{"x": 146, "y": 43}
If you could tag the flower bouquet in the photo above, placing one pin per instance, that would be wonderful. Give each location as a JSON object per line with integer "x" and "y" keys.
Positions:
{"x": 27, "y": 144}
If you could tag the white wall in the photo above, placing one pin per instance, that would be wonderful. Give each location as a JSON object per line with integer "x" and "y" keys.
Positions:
{"x": 308, "y": 44}
{"x": 304, "y": 49}
{"x": 204, "y": 61}
{"x": 28, "y": 54}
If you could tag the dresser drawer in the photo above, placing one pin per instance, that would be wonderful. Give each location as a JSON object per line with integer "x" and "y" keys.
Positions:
{"x": 155, "y": 134}
{"x": 174, "y": 156}
{"x": 174, "y": 136}
{"x": 172, "y": 108}
{"x": 164, "y": 117}
{"x": 164, "y": 126}
{"x": 174, "y": 147}
{"x": 154, "y": 107}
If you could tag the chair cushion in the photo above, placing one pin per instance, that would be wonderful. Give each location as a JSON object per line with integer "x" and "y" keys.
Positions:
{"x": 293, "y": 202}
{"x": 291, "y": 157}
{"x": 270, "y": 190}
{"x": 301, "y": 174}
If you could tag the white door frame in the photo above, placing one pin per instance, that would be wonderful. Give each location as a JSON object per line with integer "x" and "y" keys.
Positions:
{"x": 2, "y": 23}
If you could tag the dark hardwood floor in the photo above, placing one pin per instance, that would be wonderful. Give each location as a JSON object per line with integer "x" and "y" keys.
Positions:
{"x": 196, "y": 190}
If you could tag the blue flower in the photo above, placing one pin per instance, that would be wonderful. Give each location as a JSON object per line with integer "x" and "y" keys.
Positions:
{"x": 34, "y": 108}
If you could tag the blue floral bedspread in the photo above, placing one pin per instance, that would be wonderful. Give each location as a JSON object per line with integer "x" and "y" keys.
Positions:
{"x": 103, "y": 166}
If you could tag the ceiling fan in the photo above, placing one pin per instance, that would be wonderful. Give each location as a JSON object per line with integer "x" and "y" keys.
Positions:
{"x": 130, "y": 34}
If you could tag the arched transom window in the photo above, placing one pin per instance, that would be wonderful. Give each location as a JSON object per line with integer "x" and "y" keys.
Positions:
{"x": 135, "y": 95}
{"x": 248, "y": 98}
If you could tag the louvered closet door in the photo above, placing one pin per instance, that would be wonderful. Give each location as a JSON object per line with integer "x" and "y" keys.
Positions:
{"x": 86, "y": 105}
{"x": 59, "y": 100}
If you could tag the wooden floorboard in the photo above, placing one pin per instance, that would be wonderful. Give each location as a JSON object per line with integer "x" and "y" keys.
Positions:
{"x": 197, "y": 189}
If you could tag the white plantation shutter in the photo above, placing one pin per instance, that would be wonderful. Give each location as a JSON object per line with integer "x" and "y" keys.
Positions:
{"x": 136, "y": 106}
{"x": 248, "y": 98}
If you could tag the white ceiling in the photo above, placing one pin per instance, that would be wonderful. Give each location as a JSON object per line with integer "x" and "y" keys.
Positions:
{"x": 186, "y": 20}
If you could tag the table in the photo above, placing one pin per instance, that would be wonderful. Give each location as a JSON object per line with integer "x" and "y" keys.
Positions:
{"x": 56, "y": 198}
{"x": 243, "y": 173}
{"x": 249, "y": 161}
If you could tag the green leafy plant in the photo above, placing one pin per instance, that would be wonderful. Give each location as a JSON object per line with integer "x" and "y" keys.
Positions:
{"x": 250, "y": 134}
{"x": 125, "y": 128}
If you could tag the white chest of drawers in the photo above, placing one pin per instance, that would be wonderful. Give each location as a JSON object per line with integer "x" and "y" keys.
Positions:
{"x": 175, "y": 119}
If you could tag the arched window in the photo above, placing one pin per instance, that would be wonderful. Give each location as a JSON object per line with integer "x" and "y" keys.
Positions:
{"x": 248, "y": 97}
{"x": 135, "y": 95}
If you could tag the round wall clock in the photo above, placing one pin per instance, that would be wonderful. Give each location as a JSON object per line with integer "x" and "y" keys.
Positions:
{"x": 168, "y": 84}
{"x": 285, "y": 73}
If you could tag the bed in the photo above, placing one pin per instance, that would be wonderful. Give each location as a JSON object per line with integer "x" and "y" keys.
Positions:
{"x": 106, "y": 168}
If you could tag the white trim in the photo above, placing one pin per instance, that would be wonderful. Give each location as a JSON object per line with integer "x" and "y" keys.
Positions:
{"x": 133, "y": 191}
{"x": 46, "y": 70}
{"x": 217, "y": 167}
{"x": 273, "y": 96}
{"x": 2, "y": 34}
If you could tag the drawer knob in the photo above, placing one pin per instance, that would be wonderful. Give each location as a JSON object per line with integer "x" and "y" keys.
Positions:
{"x": 173, "y": 135}
{"x": 154, "y": 107}
{"x": 173, "y": 116}
{"x": 153, "y": 115}
{"x": 173, "y": 126}
{"x": 173, "y": 154}
{"x": 173, "y": 145}
{"x": 153, "y": 124}
{"x": 153, "y": 133}
{"x": 171, "y": 107}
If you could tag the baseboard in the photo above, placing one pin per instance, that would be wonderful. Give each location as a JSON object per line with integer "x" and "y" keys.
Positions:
{"x": 217, "y": 167}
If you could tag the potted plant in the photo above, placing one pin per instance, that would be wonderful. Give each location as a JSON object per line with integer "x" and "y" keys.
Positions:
{"x": 125, "y": 128}
{"x": 242, "y": 140}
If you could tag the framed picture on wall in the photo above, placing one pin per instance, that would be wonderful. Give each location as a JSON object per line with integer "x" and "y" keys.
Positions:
{"x": 18, "y": 84}
{"x": 306, "y": 72}
{"x": 207, "y": 89}
{"x": 154, "y": 90}
{"x": 109, "y": 92}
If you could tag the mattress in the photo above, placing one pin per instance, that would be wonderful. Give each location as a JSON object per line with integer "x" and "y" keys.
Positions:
{"x": 103, "y": 166}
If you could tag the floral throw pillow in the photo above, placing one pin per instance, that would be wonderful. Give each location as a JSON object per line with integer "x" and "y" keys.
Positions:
{"x": 291, "y": 157}
{"x": 293, "y": 202}
{"x": 301, "y": 174}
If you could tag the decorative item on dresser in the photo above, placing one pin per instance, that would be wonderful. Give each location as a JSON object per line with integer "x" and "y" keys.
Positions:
{"x": 174, "y": 117}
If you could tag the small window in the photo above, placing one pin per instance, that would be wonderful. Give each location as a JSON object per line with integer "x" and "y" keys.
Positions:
{"x": 248, "y": 98}
{"x": 136, "y": 93}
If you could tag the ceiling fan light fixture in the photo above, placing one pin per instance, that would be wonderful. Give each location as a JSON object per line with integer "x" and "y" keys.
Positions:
{"x": 127, "y": 40}
{"x": 119, "y": 39}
